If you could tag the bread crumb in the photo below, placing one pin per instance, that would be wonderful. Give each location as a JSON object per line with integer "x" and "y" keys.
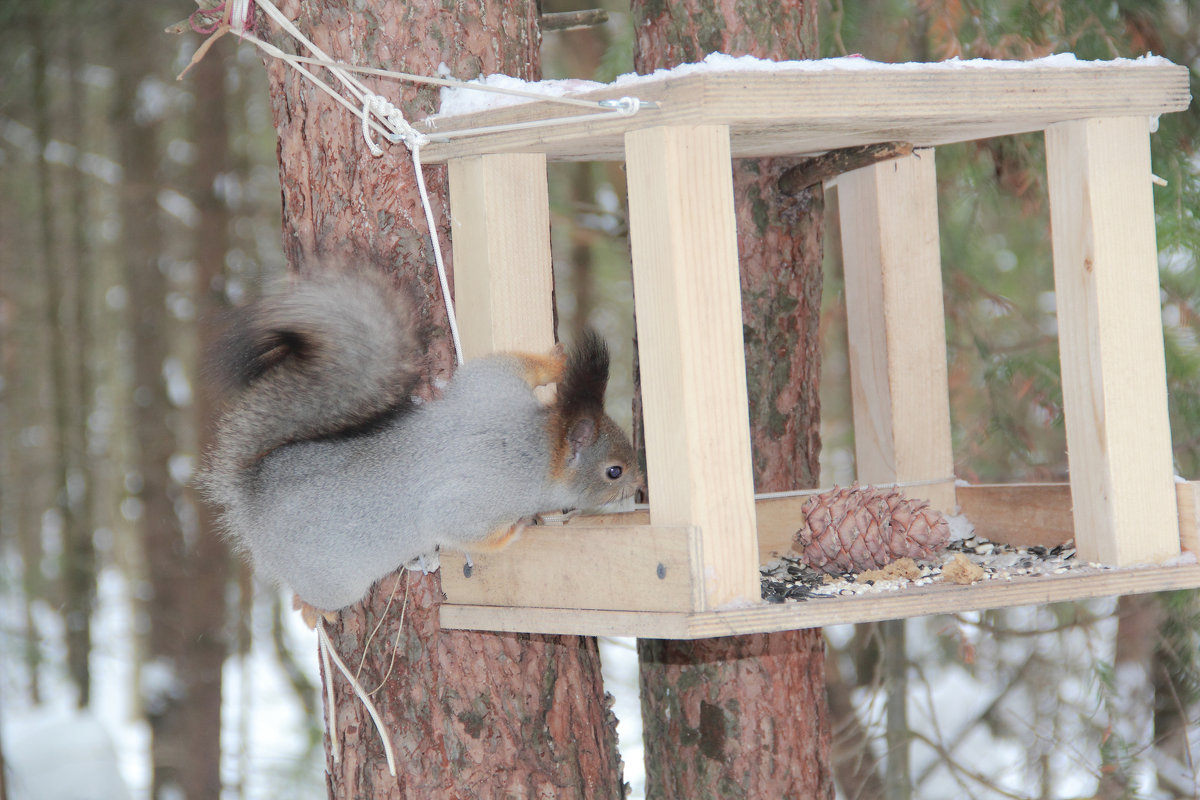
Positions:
{"x": 960, "y": 570}
{"x": 900, "y": 569}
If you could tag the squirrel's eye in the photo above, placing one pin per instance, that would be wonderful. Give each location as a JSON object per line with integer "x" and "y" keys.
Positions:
{"x": 613, "y": 472}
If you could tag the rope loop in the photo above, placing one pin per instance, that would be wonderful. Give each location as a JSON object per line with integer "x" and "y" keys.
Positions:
{"x": 380, "y": 115}
{"x": 383, "y": 108}
{"x": 371, "y": 105}
{"x": 624, "y": 106}
{"x": 213, "y": 18}
{"x": 241, "y": 15}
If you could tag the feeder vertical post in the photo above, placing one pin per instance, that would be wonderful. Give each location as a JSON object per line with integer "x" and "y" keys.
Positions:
{"x": 897, "y": 326}
{"x": 689, "y": 320}
{"x": 1110, "y": 340}
{"x": 500, "y": 228}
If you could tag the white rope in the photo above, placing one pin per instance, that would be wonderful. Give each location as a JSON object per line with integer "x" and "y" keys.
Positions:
{"x": 275, "y": 52}
{"x": 445, "y": 136}
{"x": 239, "y": 15}
{"x": 437, "y": 251}
{"x": 455, "y": 83}
{"x": 327, "y": 648}
{"x": 810, "y": 492}
{"x": 335, "y": 745}
{"x": 372, "y": 107}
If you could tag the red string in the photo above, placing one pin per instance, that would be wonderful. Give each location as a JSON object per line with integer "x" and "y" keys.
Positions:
{"x": 206, "y": 13}
{"x": 249, "y": 16}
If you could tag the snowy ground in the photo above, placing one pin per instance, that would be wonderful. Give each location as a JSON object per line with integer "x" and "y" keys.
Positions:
{"x": 56, "y": 753}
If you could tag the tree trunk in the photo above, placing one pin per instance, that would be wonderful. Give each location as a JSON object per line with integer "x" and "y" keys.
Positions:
{"x": 898, "y": 778}
{"x": 165, "y": 694}
{"x": 47, "y": 252}
{"x": 25, "y": 480}
{"x": 712, "y": 708}
{"x": 469, "y": 714}
{"x": 79, "y": 552}
{"x": 206, "y": 645}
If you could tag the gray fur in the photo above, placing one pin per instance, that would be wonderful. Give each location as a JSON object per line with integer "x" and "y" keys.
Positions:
{"x": 329, "y": 508}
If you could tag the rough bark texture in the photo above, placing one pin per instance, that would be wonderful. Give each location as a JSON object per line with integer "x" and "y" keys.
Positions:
{"x": 470, "y": 714}
{"x": 747, "y": 716}
{"x": 735, "y": 717}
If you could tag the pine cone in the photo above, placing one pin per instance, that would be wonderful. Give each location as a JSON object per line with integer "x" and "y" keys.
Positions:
{"x": 861, "y": 527}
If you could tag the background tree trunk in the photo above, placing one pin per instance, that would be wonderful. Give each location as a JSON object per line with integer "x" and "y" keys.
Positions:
{"x": 478, "y": 714}
{"x": 79, "y": 552}
{"x": 206, "y": 645}
{"x": 169, "y": 678}
{"x": 712, "y": 708}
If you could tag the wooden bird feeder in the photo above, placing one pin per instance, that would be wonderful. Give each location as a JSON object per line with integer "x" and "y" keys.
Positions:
{"x": 690, "y": 568}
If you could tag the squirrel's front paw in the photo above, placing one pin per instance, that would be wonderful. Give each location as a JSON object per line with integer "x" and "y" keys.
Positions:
{"x": 503, "y": 537}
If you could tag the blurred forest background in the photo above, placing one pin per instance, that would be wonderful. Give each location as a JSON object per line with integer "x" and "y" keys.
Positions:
{"x": 133, "y": 207}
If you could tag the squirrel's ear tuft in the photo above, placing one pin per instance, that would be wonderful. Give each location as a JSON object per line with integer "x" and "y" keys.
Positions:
{"x": 585, "y": 379}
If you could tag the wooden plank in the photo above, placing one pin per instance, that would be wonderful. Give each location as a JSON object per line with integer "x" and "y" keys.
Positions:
{"x": 767, "y": 618}
{"x": 896, "y": 326}
{"x": 593, "y": 575}
{"x": 500, "y": 226}
{"x": 689, "y": 319}
{"x": 1189, "y": 515}
{"x": 614, "y": 567}
{"x": 1110, "y": 340}
{"x": 807, "y": 112}
{"x": 642, "y": 624}
{"x": 944, "y": 599}
{"x": 1020, "y": 514}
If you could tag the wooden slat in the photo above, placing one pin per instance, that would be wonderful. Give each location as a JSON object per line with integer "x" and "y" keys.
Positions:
{"x": 616, "y": 568}
{"x": 767, "y": 618}
{"x": 896, "y": 326}
{"x": 1189, "y": 515}
{"x": 598, "y": 575}
{"x": 642, "y": 624}
{"x": 796, "y": 113}
{"x": 1020, "y": 514}
{"x": 1110, "y": 340}
{"x": 946, "y": 599}
{"x": 500, "y": 226}
{"x": 689, "y": 318}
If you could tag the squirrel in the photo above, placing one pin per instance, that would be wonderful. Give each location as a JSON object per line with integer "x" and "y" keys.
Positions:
{"x": 329, "y": 476}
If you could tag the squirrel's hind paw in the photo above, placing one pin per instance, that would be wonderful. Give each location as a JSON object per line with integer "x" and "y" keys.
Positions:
{"x": 426, "y": 562}
{"x": 311, "y": 614}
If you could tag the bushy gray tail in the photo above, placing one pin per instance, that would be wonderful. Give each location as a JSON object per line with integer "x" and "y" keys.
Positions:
{"x": 328, "y": 356}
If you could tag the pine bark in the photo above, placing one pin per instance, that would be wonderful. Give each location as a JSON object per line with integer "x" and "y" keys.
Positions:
{"x": 747, "y": 716}
{"x": 470, "y": 714}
